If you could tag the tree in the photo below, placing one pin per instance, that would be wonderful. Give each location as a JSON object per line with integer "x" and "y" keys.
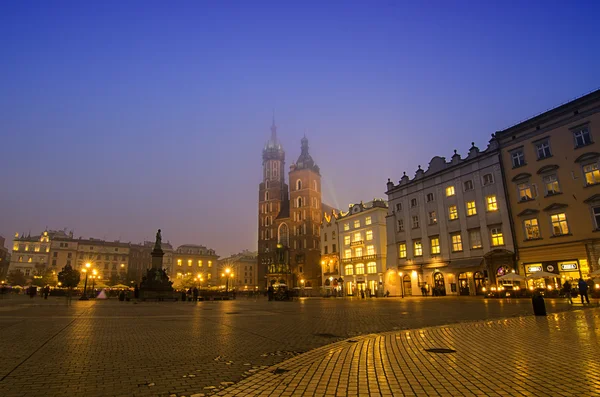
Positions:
{"x": 16, "y": 277}
{"x": 43, "y": 277}
{"x": 69, "y": 278}
{"x": 118, "y": 278}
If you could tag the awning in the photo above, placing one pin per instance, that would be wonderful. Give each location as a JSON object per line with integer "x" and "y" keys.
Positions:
{"x": 465, "y": 263}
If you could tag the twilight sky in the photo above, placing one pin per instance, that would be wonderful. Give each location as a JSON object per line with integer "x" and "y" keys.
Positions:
{"x": 120, "y": 117}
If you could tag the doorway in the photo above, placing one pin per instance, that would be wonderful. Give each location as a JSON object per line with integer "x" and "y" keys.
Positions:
{"x": 463, "y": 284}
{"x": 407, "y": 285}
{"x": 439, "y": 287}
{"x": 479, "y": 280}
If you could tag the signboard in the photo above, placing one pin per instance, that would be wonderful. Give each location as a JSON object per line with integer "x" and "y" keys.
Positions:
{"x": 569, "y": 267}
{"x": 534, "y": 268}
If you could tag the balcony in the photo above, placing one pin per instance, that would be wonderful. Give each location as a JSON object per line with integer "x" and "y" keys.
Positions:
{"x": 363, "y": 258}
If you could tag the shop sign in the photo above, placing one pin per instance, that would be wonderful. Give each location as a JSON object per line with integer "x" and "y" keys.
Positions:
{"x": 568, "y": 266}
{"x": 534, "y": 268}
{"x": 360, "y": 278}
{"x": 550, "y": 268}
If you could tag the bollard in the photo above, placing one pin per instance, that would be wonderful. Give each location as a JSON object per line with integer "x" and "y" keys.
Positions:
{"x": 539, "y": 306}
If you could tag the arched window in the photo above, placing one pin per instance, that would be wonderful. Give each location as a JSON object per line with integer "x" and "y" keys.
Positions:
{"x": 298, "y": 184}
{"x": 266, "y": 196}
{"x": 283, "y": 235}
{"x": 299, "y": 202}
{"x": 315, "y": 185}
{"x": 266, "y": 184}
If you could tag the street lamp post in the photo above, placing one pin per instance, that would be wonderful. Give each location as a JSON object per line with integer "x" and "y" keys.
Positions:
{"x": 401, "y": 283}
{"x": 228, "y": 274}
{"x": 94, "y": 277}
{"x": 85, "y": 270}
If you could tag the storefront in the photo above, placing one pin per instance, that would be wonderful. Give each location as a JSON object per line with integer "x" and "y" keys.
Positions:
{"x": 565, "y": 270}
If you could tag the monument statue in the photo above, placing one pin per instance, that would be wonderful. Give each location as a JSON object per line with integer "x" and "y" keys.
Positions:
{"x": 158, "y": 243}
{"x": 156, "y": 284}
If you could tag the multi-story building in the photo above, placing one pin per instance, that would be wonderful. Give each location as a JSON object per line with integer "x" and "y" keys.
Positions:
{"x": 363, "y": 245}
{"x": 330, "y": 254}
{"x": 551, "y": 168}
{"x": 244, "y": 269}
{"x": 448, "y": 228}
{"x": 110, "y": 259}
{"x": 32, "y": 253}
{"x": 289, "y": 222}
{"x": 4, "y": 260}
{"x": 140, "y": 260}
{"x": 196, "y": 261}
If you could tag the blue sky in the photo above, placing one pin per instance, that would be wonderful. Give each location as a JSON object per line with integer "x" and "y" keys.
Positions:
{"x": 120, "y": 117}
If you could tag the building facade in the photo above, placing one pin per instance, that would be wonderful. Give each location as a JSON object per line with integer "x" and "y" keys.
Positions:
{"x": 244, "y": 269}
{"x": 289, "y": 220}
{"x": 330, "y": 255}
{"x": 551, "y": 168}
{"x": 31, "y": 254}
{"x": 448, "y": 228}
{"x": 198, "y": 262}
{"x": 363, "y": 248}
{"x": 4, "y": 260}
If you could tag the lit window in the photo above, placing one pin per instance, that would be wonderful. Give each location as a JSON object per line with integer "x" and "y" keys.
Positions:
{"x": 349, "y": 270}
{"x": 475, "y": 238}
{"x": 488, "y": 179}
{"x": 492, "y": 204}
{"x": 596, "y": 212}
{"x": 346, "y": 226}
{"x": 453, "y": 212}
{"x": 20, "y": 259}
{"x": 432, "y": 218}
{"x": 356, "y": 223}
{"x": 471, "y": 209}
{"x": 348, "y": 253}
{"x": 346, "y": 240}
{"x": 468, "y": 185}
{"x": 209, "y": 263}
{"x": 524, "y": 190}
{"x": 559, "y": 224}
{"x": 402, "y": 250}
{"x": 435, "y": 245}
{"x": 178, "y": 262}
{"x": 370, "y": 250}
{"x": 415, "y": 222}
{"x": 369, "y": 235}
{"x": 518, "y": 158}
{"x": 591, "y": 173}
{"x": 413, "y": 202}
{"x": 29, "y": 259}
{"x": 16, "y": 247}
{"x": 27, "y": 247}
{"x": 371, "y": 267}
{"x": 532, "y": 229}
{"x": 582, "y": 137}
{"x": 450, "y": 191}
{"x": 368, "y": 220}
{"x": 358, "y": 236}
{"x": 200, "y": 263}
{"x": 497, "y": 237}
{"x": 456, "y": 243}
{"x": 400, "y": 225}
{"x": 543, "y": 149}
{"x": 418, "y": 248}
{"x": 360, "y": 268}
{"x": 551, "y": 184}
{"x": 358, "y": 252}
{"x": 189, "y": 262}
{"x": 208, "y": 276}
{"x": 429, "y": 197}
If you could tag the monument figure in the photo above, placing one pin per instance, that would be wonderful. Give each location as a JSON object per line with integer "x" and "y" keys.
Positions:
{"x": 156, "y": 284}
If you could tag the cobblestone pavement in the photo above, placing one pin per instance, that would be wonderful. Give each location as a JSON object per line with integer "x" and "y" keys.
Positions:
{"x": 111, "y": 348}
{"x": 527, "y": 356}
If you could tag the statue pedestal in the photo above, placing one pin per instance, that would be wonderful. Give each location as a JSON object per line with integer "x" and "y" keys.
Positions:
{"x": 156, "y": 284}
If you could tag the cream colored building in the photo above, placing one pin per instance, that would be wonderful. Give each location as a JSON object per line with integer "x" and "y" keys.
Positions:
{"x": 244, "y": 269}
{"x": 109, "y": 259}
{"x": 196, "y": 261}
{"x": 31, "y": 253}
{"x": 363, "y": 241}
{"x": 330, "y": 254}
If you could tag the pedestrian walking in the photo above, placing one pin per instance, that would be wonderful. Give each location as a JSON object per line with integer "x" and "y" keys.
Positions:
{"x": 136, "y": 292}
{"x": 195, "y": 294}
{"x": 567, "y": 290}
{"x": 423, "y": 290}
{"x": 183, "y": 296}
{"x": 46, "y": 291}
{"x": 270, "y": 292}
{"x": 583, "y": 290}
{"x": 362, "y": 294}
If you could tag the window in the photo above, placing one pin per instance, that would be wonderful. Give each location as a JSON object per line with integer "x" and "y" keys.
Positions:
{"x": 199, "y": 263}
{"x": 399, "y": 207}
{"x": 492, "y": 204}
{"x": 524, "y": 190}
{"x": 371, "y": 267}
{"x": 453, "y": 212}
{"x": 346, "y": 240}
{"x": 402, "y": 250}
{"x": 346, "y": 226}
{"x": 551, "y": 184}
{"x": 348, "y": 253}
{"x": 435, "y": 245}
{"x": 432, "y": 218}
{"x": 349, "y": 270}
{"x": 582, "y": 137}
{"x": 475, "y": 239}
{"x": 370, "y": 250}
{"x": 559, "y": 224}
{"x": 298, "y": 184}
{"x": 178, "y": 262}
{"x": 468, "y": 185}
{"x": 299, "y": 202}
{"x": 368, "y": 220}
{"x": 456, "y": 243}
{"x": 358, "y": 252}
{"x": 532, "y": 229}
{"x": 415, "y": 221}
{"x": 418, "y": 248}
{"x": 543, "y": 149}
{"x": 266, "y": 199}
{"x": 369, "y": 235}
{"x": 325, "y": 237}
{"x": 356, "y": 223}
{"x": 596, "y": 213}
{"x": 189, "y": 262}
{"x": 209, "y": 263}
{"x": 360, "y": 268}
{"x": 429, "y": 197}
{"x": 488, "y": 179}
{"x": 400, "y": 225}
{"x": 497, "y": 237}
{"x": 450, "y": 191}
{"x": 413, "y": 203}
{"x": 315, "y": 185}
{"x": 518, "y": 158}
{"x": 471, "y": 209}
{"x": 591, "y": 173}
{"x": 358, "y": 236}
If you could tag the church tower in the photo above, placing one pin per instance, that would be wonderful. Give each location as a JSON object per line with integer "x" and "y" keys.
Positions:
{"x": 272, "y": 197}
{"x": 305, "y": 218}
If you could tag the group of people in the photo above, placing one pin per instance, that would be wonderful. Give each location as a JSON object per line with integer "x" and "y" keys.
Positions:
{"x": 32, "y": 291}
{"x": 582, "y": 289}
